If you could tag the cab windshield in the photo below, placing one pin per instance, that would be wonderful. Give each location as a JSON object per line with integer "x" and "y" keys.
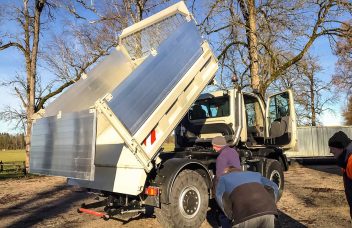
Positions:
{"x": 210, "y": 108}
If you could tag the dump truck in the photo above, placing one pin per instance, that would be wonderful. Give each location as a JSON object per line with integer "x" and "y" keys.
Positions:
{"x": 105, "y": 133}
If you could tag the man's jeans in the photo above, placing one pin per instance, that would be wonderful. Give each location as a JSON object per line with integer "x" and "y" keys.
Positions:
{"x": 264, "y": 221}
{"x": 224, "y": 221}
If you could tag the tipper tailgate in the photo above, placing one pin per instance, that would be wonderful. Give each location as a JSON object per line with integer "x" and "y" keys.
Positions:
{"x": 64, "y": 146}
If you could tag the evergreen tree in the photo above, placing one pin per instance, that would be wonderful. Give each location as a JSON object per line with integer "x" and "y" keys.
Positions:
{"x": 12, "y": 142}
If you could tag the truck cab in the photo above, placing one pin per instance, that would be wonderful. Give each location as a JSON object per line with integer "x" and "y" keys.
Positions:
{"x": 243, "y": 118}
{"x": 259, "y": 131}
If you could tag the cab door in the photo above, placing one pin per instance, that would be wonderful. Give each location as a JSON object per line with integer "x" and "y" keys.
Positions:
{"x": 281, "y": 127}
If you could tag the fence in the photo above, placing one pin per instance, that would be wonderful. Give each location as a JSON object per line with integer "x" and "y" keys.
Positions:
{"x": 313, "y": 141}
{"x": 12, "y": 167}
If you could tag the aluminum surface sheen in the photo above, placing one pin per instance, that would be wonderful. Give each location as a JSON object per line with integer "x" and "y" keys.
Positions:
{"x": 65, "y": 146}
{"x": 101, "y": 80}
{"x": 136, "y": 98}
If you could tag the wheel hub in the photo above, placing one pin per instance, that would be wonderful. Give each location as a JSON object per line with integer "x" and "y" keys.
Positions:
{"x": 275, "y": 177}
{"x": 189, "y": 202}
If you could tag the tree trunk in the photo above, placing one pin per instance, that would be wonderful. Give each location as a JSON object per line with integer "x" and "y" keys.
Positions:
{"x": 312, "y": 102}
{"x": 348, "y": 112}
{"x": 251, "y": 31}
{"x": 32, "y": 73}
{"x": 28, "y": 143}
{"x": 30, "y": 112}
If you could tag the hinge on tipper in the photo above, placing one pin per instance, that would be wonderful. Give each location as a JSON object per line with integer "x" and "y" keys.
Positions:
{"x": 136, "y": 149}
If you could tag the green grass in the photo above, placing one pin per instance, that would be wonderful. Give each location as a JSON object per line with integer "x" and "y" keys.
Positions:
{"x": 12, "y": 155}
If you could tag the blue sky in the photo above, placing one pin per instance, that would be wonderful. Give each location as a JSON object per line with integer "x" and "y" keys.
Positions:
{"x": 11, "y": 63}
{"x": 321, "y": 49}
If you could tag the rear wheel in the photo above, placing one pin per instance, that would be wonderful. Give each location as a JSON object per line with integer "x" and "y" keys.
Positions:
{"x": 188, "y": 202}
{"x": 275, "y": 173}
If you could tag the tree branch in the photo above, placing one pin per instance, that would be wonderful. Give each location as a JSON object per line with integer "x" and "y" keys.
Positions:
{"x": 230, "y": 45}
{"x": 314, "y": 35}
{"x": 21, "y": 97}
{"x": 12, "y": 44}
{"x": 210, "y": 12}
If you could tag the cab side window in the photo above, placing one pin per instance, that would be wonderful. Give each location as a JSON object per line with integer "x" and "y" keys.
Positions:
{"x": 254, "y": 113}
{"x": 279, "y": 107}
{"x": 198, "y": 112}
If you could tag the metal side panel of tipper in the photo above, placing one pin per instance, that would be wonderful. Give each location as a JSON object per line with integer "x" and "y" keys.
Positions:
{"x": 64, "y": 145}
{"x": 63, "y": 139}
{"x": 102, "y": 79}
{"x": 148, "y": 105}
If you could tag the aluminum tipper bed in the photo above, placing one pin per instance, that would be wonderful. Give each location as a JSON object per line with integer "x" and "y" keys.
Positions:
{"x": 105, "y": 131}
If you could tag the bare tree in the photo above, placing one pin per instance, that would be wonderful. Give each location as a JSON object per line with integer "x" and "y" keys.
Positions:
{"x": 313, "y": 95}
{"x": 273, "y": 30}
{"x": 343, "y": 70}
{"x": 342, "y": 78}
{"x": 29, "y": 18}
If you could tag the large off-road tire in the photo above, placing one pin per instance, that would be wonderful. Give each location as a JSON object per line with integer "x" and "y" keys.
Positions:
{"x": 188, "y": 202}
{"x": 275, "y": 173}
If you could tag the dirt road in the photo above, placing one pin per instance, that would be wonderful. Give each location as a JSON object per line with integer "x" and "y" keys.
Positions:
{"x": 313, "y": 197}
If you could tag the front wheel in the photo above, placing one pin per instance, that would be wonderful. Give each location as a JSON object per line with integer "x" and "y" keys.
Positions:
{"x": 275, "y": 173}
{"x": 188, "y": 202}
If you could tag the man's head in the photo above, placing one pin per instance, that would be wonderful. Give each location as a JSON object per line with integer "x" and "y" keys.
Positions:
{"x": 218, "y": 143}
{"x": 338, "y": 142}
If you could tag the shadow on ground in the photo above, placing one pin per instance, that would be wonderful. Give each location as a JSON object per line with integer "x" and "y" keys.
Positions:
{"x": 322, "y": 164}
{"x": 282, "y": 221}
{"x": 285, "y": 220}
{"x": 42, "y": 207}
{"x": 332, "y": 169}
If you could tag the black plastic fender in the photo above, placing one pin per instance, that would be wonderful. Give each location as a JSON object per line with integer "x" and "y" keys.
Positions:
{"x": 169, "y": 170}
{"x": 274, "y": 153}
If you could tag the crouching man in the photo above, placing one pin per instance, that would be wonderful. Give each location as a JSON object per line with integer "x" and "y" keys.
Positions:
{"x": 247, "y": 198}
{"x": 341, "y": 147}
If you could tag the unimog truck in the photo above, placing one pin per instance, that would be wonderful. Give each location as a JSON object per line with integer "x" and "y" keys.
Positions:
{"x": 105, "y": 132}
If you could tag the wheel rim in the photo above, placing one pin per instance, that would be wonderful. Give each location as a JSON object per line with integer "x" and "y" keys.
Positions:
{"x": 189, "y": 202}
{"x": 275, "y": 177}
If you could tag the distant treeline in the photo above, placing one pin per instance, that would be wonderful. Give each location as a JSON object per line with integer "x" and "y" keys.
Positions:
{"x": 11, "y": 142}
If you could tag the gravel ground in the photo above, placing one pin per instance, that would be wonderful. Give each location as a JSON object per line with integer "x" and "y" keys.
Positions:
{"x": 313, "y": 197}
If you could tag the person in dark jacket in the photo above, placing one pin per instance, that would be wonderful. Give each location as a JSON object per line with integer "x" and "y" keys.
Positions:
{"x": 245, "y": 199}
{"x": 341, "y": 147}
{"x": 228, "y": 156}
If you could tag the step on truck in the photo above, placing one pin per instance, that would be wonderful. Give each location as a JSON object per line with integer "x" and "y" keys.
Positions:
{"x": 105, "y": 132}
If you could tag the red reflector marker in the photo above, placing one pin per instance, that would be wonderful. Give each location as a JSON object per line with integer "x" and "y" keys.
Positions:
{"x": 153, "y": 136}
{"x": 151, "y": 191}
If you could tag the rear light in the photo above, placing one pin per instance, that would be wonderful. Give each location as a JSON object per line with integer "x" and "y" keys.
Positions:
{"x": 151, "y": 191}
